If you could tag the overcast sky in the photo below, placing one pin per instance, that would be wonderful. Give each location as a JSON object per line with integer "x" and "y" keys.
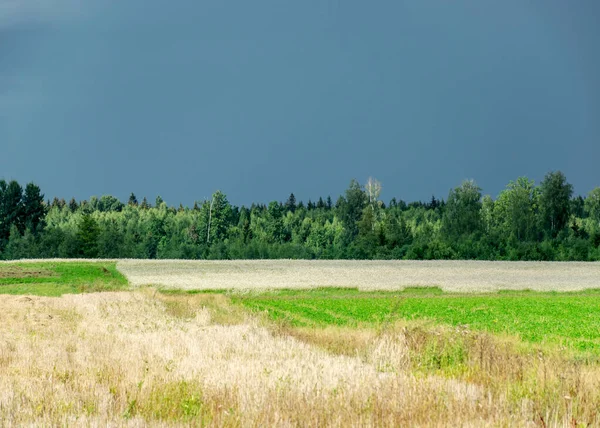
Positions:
{"x": 263, "y": 98}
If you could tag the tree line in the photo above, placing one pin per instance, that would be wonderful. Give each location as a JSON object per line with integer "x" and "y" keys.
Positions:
{"x": 525, "y": 222}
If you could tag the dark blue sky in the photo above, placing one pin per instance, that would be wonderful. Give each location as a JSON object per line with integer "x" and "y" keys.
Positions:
{"x": 263, "y": 98}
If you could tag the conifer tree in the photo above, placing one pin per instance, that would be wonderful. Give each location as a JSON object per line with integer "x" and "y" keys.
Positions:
{"x": 434, "y": 203}
{"x": 73, "y": 205}
{"x": 11, "y": 209}
{"x": 34, "y": 208}
{"x": 352, "y": 208}
{"x": 133, "y": 202}
{"x": 290, "y": 204}
{"x": 87, "y": 237}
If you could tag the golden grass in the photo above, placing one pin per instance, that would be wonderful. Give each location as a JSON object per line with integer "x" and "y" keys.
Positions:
{"x": 456, "y": 276}
{"x": 545, "y": 388}
{"x": 138, "y": 358}
{"x": 187, "y": 307}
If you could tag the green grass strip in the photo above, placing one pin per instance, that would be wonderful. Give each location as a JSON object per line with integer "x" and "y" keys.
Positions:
{"x": 58, "y": 278}
{"x": 569, "y": 319}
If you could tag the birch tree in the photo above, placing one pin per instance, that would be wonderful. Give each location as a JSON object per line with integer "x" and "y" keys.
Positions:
{"x": 373, "y": 190}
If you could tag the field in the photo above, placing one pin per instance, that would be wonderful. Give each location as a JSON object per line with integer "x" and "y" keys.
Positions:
{"x": 56, "y": 278}
{"x": 455, "y": 276}
{"x": 288, "y": 344}
{"x": 570, "y": 320}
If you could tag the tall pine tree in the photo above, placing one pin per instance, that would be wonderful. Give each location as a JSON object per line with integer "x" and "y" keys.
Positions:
{"x": 11, "y": 209}
{"x": 34, "y": 209}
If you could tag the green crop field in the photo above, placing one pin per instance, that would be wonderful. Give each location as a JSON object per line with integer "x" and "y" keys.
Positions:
{"x": 565, "y": 319}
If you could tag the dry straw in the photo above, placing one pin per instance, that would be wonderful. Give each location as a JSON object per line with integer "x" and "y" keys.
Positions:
{"x": 121, "y": 358}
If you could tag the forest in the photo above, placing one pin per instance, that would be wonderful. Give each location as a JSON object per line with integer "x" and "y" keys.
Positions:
{"x": 524, "y": 222}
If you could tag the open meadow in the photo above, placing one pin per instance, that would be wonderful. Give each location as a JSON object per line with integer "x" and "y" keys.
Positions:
{"x": 297, "y": 343}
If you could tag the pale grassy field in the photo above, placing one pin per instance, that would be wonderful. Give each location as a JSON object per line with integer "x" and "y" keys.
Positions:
{"x": 453, "y": 276}
{"x": 132, "y": 358}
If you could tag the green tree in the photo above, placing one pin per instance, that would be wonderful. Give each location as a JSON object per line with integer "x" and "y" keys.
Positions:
{"x": 110, "y": 239}
{"x": 20, "y": 246}
{"x": 351, "y": 208}
{"x": 73, "y": 205}
{"x": 87, "y": 237}
{"x": 516, "y": 209}
{"x": 34, "y": 208}
{"x": 219, "y": 217}
{"x": 290, "y": 204}
{"x": 462, "y": 216}
{"x": 592, "y": 206}
{"x": 108, "y": 203}
{"x": 397, "y": 232}
{"x": 242, "y": 232}
{"x": 274, "y": 222}
{"x": 367, "y": 239}
{"x": 11, "y": 209}
{"x": 555, "y": 196}
{"x": 578, "y": 206}
{"x": 488, "y": 214}
{"x": 132, "y": 200}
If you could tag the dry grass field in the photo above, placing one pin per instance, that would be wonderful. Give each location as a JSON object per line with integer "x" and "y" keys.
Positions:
{"x": 133, "y": 358}
{"x": 140, "y": 357}
{"x": 455, "y": 276}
